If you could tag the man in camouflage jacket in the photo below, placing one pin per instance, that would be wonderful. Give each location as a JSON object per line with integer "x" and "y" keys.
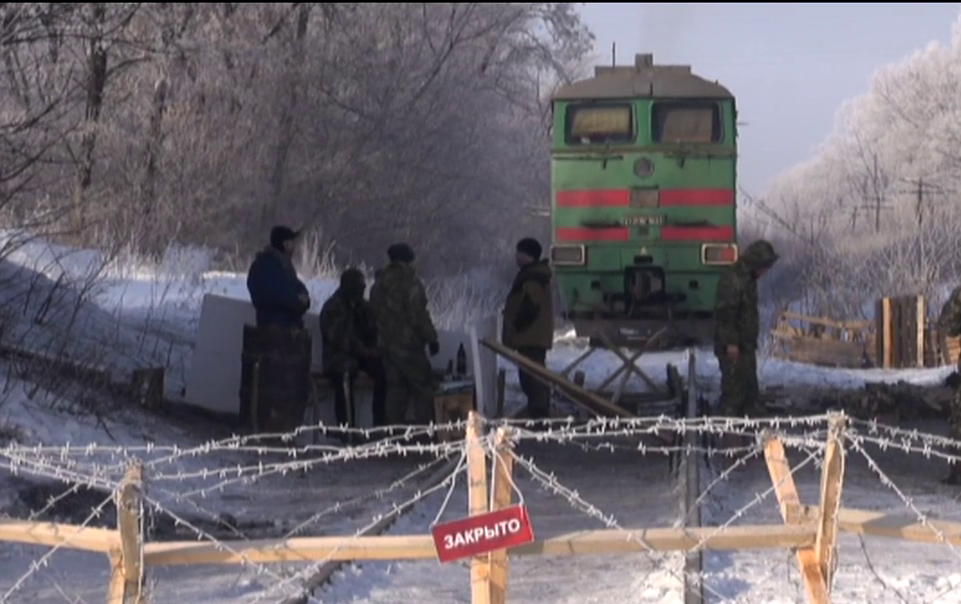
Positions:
{"x": 736, "y": 330}
{"x": 350, "y": 345}
{"x": 528, "y": 321}
{"x": 949, "y": 325}
{"x": 404, "y": 329}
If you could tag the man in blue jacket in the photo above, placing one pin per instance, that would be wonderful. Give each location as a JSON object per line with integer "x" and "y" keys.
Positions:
{"x": 278, "y": 296}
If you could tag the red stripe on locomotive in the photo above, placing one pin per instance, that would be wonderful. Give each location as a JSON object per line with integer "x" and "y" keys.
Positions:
{"x": 696, "y": 197}
{"x": 583, "y": 234}
{"x": 683, "y": 233}
{"x": 588, "y": 199}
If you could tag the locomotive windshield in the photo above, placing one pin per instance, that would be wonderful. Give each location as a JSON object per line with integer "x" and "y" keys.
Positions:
{"x": 686, "y": 122}
{"x": 598, "y": 123}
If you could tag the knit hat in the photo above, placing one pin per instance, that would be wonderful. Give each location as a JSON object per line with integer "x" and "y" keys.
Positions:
{"x": 280, "y": 234}
{"x": 529, "y": 247}
{"x": 400, "y": 252}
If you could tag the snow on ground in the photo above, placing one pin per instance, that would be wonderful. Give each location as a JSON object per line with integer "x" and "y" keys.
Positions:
{"x": 121, "y": 316}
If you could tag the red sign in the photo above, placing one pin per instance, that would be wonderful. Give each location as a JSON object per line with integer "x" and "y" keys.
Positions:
{"x": 483, "y": 533}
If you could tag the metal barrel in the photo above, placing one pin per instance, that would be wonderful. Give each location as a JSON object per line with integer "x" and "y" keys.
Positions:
{"x": 275, "y": 377}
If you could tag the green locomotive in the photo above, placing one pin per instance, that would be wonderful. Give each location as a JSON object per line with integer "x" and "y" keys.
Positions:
{"x": 643, "y": 201}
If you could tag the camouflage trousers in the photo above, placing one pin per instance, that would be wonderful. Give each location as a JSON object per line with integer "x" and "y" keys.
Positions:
{"x": 740, "y": 393}
{"x": 954, "y": 420}
{"x": 410, "y": 385}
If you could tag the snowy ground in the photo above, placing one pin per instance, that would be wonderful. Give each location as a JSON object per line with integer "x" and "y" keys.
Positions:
{"x": 119, "y": 316}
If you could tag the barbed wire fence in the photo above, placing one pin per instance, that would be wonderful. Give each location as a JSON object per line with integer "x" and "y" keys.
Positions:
{"x": 181, "y": 484}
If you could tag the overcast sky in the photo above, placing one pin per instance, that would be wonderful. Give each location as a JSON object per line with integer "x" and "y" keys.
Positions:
{"x": 789, "y": 65}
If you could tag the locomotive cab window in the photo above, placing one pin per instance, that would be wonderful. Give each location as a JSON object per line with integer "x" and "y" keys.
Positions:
{"x": 587, "y": 124}
{"x": 686, "y": 122}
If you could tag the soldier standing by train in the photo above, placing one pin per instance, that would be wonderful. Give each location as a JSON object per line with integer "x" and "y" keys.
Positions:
{"x": 350, "y": 345}
{"x": 949, "y": 324}
{"x": 737, "y": 327}
{"x": 528, "y": 325}
{"x": 404, "y": 329}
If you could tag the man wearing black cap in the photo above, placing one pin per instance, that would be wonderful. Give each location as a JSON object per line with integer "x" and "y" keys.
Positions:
{"x": 398, "y": 301}
{"x": 278, "y": 296}
{"x": 528, "y": 325}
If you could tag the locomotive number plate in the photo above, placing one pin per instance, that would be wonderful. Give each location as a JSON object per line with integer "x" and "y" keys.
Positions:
{"x": 642, "y": 220}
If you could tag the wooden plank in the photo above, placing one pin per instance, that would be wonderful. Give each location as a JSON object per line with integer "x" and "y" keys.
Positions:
{"x": 952, "y": 347}
{"x": 871, "y": 523}
{"x": 916, "y": 330}
{"x": 129, "y": 514}
{"x": 64, "y": 535}
{"x": 831, "y": 353}
{"x": 115, "y": 587}
{"x": 897, "y": 340}
{"x": 883, "y": 333}
{"x": 815, "y": 587}
{"x": 898, "y": 526}
{"x": 919, "y": 321}
{"x": 500, "y": 499}
{"x": 578, "y": 394}
{"x": 480, "y": 570}
{"x": 857, "y": 324}
{"x": 832, "y": 474}
{"x": 421, "y": 547}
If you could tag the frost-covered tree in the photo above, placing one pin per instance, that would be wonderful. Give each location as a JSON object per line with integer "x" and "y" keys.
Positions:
{"x": 165, "y": 123}
{"x": 877, "y": 210}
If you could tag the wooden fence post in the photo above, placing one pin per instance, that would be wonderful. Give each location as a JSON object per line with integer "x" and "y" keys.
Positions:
{"x": 500, "y": 499}
{"x": 126, "y": 577}
{"x": 480, "y": 569}
{"x": 832, "y": 474}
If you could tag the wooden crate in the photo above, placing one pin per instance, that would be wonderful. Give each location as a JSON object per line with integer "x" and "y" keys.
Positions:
{"x": 451, "y": 406}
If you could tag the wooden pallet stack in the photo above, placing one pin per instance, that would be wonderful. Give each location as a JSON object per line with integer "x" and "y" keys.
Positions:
{"x": 899, "y": 337}
{"x": 899, "y": 325}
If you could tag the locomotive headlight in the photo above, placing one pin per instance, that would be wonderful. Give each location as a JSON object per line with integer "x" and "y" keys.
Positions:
{"x": 643, "y": 168}
{"x": 568, "y": 255}
{"x": 718, "y": 253}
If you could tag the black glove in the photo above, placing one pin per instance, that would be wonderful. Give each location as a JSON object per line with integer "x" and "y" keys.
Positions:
{"x": 434, "y": 348}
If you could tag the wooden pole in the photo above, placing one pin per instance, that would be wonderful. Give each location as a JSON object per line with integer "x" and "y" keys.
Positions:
{"x": 832, "y": 474}
{"x": 477, "y": 504}
{"x": 882, "y": 331}
{"x": 500, "y": 499}
{"x": 919, "y": 320}
{"x": 126, "y": 577}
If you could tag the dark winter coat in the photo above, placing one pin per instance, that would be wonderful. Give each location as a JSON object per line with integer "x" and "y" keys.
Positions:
{"x": 275, "y": 289}
{"x": 347, "y": 331}
{"x": 399, "y": 303}
{"x": 529, "y": 310}
{"x": 736, "y": 321}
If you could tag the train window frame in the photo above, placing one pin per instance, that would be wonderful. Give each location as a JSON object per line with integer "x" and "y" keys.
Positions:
{"x": 625, "y": 139}
{"x": 717, "y": 122}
